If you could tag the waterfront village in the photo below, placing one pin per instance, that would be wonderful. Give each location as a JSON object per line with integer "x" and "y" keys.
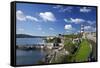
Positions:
{"x": 68, "y": 48}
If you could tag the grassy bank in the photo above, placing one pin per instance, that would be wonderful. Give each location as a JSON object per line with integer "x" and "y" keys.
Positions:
{"x": 83, "y": 52}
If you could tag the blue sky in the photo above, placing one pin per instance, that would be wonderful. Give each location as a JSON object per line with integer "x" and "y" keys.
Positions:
{"x": 47, "y": 20}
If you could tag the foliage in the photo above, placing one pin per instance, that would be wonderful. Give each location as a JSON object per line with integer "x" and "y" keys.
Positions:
{"x": 54, "y": 40}
{"x": 71, "y": 47}
{"x": 57, "y": 40}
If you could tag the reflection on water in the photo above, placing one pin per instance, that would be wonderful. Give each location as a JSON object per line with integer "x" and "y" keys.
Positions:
{"x": 28, "y": 57}
{"x": 24, "y": 41}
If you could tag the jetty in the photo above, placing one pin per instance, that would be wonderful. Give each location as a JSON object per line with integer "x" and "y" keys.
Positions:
{"x": 30, "y": 46}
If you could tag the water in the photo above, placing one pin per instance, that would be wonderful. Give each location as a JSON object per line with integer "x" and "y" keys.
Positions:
{"x": 24, "y": 41}
{"x": 29, "y": 57}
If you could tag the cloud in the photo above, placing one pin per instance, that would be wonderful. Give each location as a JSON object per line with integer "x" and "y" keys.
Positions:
{"x": 77, "y": 20}
{"x": 23, "y": 31}
{"x": 74, "y": 20}
{"x": 91, "y": 22}
{"x": 51, "y": 28}
{"x": 57, "y": 6}
{"x": 32, "y": 18}
{"x": 39, "y": 28}
{"x": 29, "y": 33}
{"x": 63, "y": 9}
{"x": 68, "y": 27}
{"x": 78, "y": 31}
{"x": 43, "y": 32}
{"x": 22, "y": 17}
{"x": 85, "y": 9}
{"x": 47, "y": 16}
{"x": 89, "y": 28}
{"x": 67, "y": 9}
{"x": 20, "y": 31}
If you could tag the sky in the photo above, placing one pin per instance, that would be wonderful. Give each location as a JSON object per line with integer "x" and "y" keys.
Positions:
{"x": 51, "y": 20}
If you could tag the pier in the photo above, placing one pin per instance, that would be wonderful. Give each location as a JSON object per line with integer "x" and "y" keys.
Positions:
{"x": 35, "y": 46}
{"x": 30, "y": 46}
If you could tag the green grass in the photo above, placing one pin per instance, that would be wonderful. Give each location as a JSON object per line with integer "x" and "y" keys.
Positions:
{"x": 73, "y": 36}
{"x": 80, "y": 55}
{"x": 83, "y": 52}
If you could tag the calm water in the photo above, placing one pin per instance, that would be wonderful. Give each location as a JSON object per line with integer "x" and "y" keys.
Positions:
{"x": 27, "y": 57}
{"x": 24, "y": 41}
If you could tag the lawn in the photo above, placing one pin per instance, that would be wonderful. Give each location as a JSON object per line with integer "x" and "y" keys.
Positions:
{"x": 83, "y": 52}
{"x": 73, "y": 36}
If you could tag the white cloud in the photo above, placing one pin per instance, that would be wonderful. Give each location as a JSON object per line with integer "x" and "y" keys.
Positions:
{"x": 57, "y": 6}
{"x": 28, "y": 33}
{"x": 89, "y": 28}
{"x": 51, "y": 28}
{"x": 32, "y": 18}
{"x": 74, "y": 20}
{"x": 95, "y": 29}
{"x": 20, "y": 29}
{"x": 43, "y": 32}
{"x": 47, "y": 16}
{"x": 63, "y": 9}
{"x": 78, "y": 31}
{"x": 39, "y": 28}
{"x": 68, "y": 9}
{"x": 23, "y": 31}
{"x": 91, "y": 22}
{"x": 22, "y": 17}
{"x": 77, "y": 20}
{"x": 85, "y": 9}
{"x": 68, "y": 27}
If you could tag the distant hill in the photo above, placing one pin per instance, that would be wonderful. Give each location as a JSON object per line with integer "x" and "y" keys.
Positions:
{"x": 28, "y": 36}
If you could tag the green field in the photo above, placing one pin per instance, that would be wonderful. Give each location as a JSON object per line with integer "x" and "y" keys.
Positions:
{"x": 73, "y": 36}
{"x": 83, "y": 51}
